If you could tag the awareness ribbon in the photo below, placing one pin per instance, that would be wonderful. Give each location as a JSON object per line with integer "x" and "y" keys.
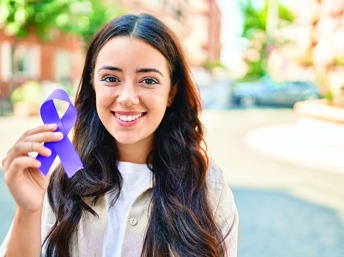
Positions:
{"x": 64, "y": 149}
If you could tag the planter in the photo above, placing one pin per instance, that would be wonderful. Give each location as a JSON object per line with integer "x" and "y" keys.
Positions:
{"x": 320, "y": 121}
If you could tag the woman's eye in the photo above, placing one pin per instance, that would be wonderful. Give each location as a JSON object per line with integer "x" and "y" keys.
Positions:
{"x": 149, "y": 81}
{"x": 110, "y": 79}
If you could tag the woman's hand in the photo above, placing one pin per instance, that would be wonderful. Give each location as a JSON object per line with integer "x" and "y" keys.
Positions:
{"x": 25, "y": 182}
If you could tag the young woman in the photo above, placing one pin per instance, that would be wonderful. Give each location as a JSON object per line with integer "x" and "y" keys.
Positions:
{"x": 147, "y": 187}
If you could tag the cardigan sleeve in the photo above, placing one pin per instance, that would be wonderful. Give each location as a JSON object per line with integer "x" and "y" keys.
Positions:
{"x": 224, "y": 208}
{"x": 48, "y": 220}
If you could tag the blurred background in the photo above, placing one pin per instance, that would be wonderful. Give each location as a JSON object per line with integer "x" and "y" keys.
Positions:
{"x": 270, "y": 74}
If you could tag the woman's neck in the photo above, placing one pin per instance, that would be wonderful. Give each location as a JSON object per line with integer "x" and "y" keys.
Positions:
{"x": 133, "y": 153}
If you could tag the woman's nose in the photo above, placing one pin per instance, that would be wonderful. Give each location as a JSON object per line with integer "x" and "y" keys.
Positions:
{"x": 128, "y": 95}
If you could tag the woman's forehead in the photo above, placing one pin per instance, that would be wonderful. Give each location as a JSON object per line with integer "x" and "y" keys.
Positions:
{"x": 130, "y": 50}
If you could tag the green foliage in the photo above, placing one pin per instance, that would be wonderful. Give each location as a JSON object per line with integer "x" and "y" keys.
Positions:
{"x": 29, "y": 92}
{"x": 213, "y": 64}
{"x": 35, "y": 93}
{"x": 80, "y": 17}
{"x": 285, "y": 14}
{"x": 255, "y": 31}
{"x": 338, "y": 60}
{"x": 89, "y": 17}
{"x": 254, "y": 18}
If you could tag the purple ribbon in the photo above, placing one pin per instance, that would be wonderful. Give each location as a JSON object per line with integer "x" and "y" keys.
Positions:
{"x": 64, "y": 149}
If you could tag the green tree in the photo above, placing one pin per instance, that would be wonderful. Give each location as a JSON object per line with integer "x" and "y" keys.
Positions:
{"x": 43, "y": 17}
{"x": 258, "y": 24}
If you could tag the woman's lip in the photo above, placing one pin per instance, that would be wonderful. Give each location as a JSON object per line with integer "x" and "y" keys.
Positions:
{"x": 128, "y": 113}
{"x": 128, "y": 118}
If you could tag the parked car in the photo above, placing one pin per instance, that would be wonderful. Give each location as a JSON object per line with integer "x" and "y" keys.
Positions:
{"x": 266, "y": 91}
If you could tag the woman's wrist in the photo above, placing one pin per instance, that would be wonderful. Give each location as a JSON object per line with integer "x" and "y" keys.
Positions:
{"x": 22, "y": 213}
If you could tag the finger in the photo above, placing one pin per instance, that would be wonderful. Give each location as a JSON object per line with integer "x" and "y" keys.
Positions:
{"x": 42, "y": 128}
{"x": 19, "y": 165}
{"x": 22, "y": 175}
{"x": 38, "y": 148}
{"x": 43, "y": 137}
{"x": 39, "y": 129}
{"x": 25, "y": 147}
{"x": 8, "y": 161}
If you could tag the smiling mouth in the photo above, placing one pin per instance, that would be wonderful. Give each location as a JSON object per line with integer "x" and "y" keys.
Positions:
{"x": 128, "y": 118}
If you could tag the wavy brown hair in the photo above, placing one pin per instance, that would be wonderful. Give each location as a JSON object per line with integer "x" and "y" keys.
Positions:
{"x": 181, "y": 220}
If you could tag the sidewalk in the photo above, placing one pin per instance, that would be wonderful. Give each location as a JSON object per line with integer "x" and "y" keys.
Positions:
{"x": 288, "y": 143}
{"x": 264, "y": 149}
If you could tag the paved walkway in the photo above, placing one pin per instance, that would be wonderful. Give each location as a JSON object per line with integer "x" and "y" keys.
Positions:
{"x": 266, "y": 149}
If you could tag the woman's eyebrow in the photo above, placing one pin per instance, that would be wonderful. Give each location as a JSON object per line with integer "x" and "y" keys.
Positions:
{"x": 108, "y": 67}
{"x": 145, "y": 70}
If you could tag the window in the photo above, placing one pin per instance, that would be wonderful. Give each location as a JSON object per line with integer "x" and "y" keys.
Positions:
{"x": 19, "y": 61}
{"x": 62, "y": 66}
{"x": 25, "y": 61}
{"x": 5, "y": 59}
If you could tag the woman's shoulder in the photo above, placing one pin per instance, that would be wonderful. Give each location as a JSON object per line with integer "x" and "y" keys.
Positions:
{"x": 215, "y": 176}
{"x": 219, "y": 192}
{"x": 224, "y": 208}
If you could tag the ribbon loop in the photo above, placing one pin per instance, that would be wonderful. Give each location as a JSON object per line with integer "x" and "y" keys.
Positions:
{"x": 64, "y": 149}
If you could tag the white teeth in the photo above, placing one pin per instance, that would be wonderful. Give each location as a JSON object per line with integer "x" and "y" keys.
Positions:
{"x": 128, "y": 118}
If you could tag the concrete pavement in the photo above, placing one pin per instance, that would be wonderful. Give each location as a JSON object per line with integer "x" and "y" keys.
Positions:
{"x": 266, "y": 149}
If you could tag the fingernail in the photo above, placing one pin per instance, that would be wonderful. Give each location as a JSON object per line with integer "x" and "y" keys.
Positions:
{"x": 38, "y": 164}
{"x": 51, "y": 125}
{"x": 58, "y": 134}
{"x": 48, "y": 151}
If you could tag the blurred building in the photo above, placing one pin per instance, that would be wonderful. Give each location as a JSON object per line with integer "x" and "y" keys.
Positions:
{"x": 30, "y": 58}
{"x": 325, "y": 29}
{"x": 316, "y": 51}
{"x": 197, "y": 23}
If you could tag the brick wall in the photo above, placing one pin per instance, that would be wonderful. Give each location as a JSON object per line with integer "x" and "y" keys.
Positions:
{"x": 44, "y": 58}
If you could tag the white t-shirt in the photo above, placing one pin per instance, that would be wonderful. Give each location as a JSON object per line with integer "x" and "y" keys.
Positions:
{"x": 136, "y": 179}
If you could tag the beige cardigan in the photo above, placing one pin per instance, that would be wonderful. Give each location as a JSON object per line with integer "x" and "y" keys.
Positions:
{"x": 88, "y": 241}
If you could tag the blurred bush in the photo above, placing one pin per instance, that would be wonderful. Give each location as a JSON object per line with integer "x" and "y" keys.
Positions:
{"x": 79, "y": 17}
{"x": 30, "y": 92}
{"x": 259, "y": 23}
{"x": 28, "y": 97}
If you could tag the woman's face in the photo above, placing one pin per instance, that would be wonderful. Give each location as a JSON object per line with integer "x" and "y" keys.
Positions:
{"x": 133, "y": 89}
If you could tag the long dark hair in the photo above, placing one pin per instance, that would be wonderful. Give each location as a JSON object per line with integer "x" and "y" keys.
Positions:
{"x": 181, "y": 219}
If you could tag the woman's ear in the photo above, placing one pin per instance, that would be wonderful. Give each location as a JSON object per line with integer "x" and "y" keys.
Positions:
{"x": 172, "y": 94}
